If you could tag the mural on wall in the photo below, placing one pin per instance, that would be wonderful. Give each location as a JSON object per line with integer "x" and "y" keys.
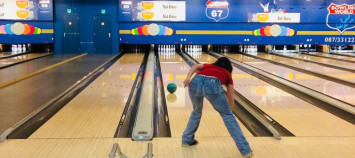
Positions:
{"x": 26, "y": 10}
{"x": 344, "y": 14}
{"x": 244, "y": 21}
{"x": 273, "y": 14}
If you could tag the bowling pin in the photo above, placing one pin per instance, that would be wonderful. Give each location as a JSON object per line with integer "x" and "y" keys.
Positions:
{"x": 24, "y": 48}
{"x": 14, "y": 48}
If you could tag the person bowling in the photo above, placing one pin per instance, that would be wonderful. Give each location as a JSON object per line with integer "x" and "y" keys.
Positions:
{"x": 208, "y": 83}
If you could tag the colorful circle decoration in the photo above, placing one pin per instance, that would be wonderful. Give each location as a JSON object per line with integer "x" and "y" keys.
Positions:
{"x": 8, "y": 29}
{"x": 145, "y": 30}
{"x": 153, "y": 30}
{"x": 2, "y": 29}
{"x": 19, "y": 29}
{"x": 275, "y": 31}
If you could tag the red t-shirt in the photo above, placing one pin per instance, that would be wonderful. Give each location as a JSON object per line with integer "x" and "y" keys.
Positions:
{"x": 215, "y": 71}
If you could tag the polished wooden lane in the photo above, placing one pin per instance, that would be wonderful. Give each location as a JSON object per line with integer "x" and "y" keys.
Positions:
{"x": 338, "y": 63}
{"x": 299, "y": 117}
{"x": 174, "y": 70}
{"x": 337, "y": 73}
{"x": 336, "y": 90}
{"x": 20, "y": 58}
{"x": 335, "y": 56}
{"x": 209, "y": 147}
{"x": 345, "y": 75}
{"x": 96, "y": 111}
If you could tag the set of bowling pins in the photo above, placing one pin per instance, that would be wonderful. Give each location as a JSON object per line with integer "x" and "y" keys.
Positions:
{"x": 194, "y": 51}
{"x": 193, "y": 48}
{"x": 18, "y": 48}
{"x": 136, "y": 48}
{"x": 285, "y": 48}
{"x": 166, "y": 48}
{"x": 167, "y": 51}
{"x": 222, "y": 48}
{"x": 251, "y": 48}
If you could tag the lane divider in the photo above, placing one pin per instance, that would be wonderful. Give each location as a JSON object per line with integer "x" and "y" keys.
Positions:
{"x": 39, "y": 71}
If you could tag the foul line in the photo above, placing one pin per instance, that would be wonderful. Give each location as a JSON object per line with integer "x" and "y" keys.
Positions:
{"x": 39, "y": 71}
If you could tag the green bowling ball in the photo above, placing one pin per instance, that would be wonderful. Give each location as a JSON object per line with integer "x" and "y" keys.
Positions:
{"x": 171, "y": 87}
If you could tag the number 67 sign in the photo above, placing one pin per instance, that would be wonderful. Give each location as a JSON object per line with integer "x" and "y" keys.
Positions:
{"x": 217, "y": 10}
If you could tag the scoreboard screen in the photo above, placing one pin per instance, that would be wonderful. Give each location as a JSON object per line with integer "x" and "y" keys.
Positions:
{"x": 27, "y": 10}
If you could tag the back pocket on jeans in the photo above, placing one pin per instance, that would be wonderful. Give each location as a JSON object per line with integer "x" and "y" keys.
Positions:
{"x": 212, "y": 89}
{"x": 193, "y": 86}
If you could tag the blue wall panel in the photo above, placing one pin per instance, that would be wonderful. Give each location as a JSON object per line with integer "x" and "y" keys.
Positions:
{"x": 86, "y": 9}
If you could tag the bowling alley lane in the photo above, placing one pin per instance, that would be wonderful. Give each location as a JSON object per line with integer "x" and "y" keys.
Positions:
{"x": 344, "y": 75}
{"x": 345, "y": 53}
{"x": 298, "y": 116}
{"x": 334, "y": 56}
{"x": 7, "y": 54}
{"x": 20, "y": 58}
{"x": 96, "y": 111}
{"x": 337, "y": 63}
{"x": 336, "y": 90}
{"x": 174, "y": 70}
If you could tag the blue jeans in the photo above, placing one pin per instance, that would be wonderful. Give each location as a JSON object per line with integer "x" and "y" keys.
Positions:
{"x": 211, "y": 88}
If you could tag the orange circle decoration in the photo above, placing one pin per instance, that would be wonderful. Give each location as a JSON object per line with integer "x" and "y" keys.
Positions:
{"x": 27, "y": 29}
{"x": 145, "y": 30}
{"x": 267, "y": 31}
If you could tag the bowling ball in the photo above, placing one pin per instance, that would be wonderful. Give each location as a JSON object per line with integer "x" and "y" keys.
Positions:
{"x": 171, "y": 87}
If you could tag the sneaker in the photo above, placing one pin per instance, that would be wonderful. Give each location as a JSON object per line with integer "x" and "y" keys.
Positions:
{"x": 191, "y": 144}
{"x": 248, "y": 155}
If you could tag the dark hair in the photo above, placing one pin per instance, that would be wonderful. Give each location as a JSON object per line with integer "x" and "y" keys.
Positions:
{"x": 225, "y": 63}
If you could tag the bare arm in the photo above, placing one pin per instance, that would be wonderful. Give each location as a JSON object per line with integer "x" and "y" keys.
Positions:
{"x": 230, "y": 95}
{"x": 193, "y": 69}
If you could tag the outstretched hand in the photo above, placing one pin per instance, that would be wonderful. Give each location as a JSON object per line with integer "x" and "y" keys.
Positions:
{"x": 186, "y": 83}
